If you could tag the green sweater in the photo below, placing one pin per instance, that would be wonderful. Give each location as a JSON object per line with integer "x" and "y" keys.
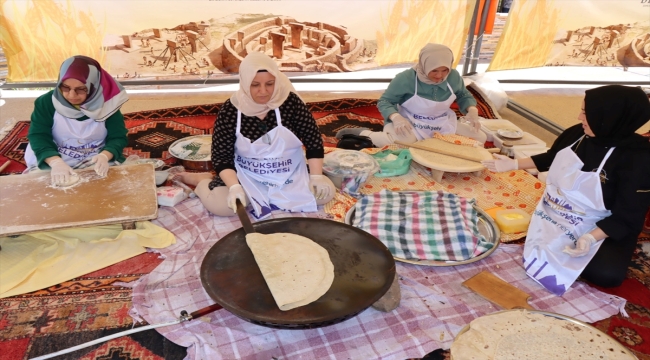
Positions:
{"x": 42, "y": 142}
{"x": 402, "y": 88}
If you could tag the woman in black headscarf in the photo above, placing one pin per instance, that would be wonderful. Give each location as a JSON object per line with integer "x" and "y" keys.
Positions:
{"x": 597, "y": 192}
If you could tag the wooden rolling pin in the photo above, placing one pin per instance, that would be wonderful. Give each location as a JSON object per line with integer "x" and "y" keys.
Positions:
{"x": 439, "y": 151}
{"x": 4, "y": 166}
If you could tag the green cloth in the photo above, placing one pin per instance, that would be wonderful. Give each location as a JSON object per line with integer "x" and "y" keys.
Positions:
{"x": 42, "y": 142}
{"x": 402, "y": 88}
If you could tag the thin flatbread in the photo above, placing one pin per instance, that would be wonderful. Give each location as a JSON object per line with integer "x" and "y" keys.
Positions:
{"x": 449, "y": 163}
{"x": 519, "y": 334}
{"x": 297, "y": 270}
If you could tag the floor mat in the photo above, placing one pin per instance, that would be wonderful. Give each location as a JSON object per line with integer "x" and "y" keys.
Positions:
{"x": 433, "y": 309}
{"x": 97, "y": 305}
{"x": 81, "y": 310}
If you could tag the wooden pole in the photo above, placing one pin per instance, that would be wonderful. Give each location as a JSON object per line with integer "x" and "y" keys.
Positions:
{"x": 4, "y": 166}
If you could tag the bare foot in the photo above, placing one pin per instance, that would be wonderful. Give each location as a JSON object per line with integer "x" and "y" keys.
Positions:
{"x": 193, "y": 179}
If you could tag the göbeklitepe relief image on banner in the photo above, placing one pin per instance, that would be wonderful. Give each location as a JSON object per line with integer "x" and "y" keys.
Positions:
{"x": 575, "y": 33}
{"x": 197, "y": 39}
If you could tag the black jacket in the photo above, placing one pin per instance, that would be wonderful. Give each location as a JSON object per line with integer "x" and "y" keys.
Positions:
{"x": 625, "y": 180}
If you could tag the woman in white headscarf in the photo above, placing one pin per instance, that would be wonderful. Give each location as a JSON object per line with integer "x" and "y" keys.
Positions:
{"x": 417, "y": 102}
{"x": 257, "y": 148}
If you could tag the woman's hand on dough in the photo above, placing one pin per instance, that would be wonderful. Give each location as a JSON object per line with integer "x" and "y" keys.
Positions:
{"x": 101, "y": 164}
{"x": 61, "y": 171}
{"x": 402, "y": 125}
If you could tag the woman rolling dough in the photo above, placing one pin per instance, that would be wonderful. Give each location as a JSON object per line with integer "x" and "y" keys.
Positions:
{"x": 417, "y": 102}
{"x": 77, "y": 122}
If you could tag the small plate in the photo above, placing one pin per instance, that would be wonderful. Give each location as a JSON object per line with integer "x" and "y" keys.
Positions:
{"x": 510, "y": 134}
{"x": 486, "y": 226}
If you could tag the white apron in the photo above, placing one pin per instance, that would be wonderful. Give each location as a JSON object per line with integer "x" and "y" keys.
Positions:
{"x": 570, "y": 207}
{"x": 428, "y": 116}
{"x": 273, "y": 172}
{"x": 76, "y": 140}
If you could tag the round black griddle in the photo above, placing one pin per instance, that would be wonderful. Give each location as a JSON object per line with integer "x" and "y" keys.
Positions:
{"x": 364, "y": 270}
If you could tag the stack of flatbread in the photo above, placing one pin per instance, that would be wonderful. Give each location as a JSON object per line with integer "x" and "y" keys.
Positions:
{"x": 297, "y": 270}
{"x": 519, "y": 334}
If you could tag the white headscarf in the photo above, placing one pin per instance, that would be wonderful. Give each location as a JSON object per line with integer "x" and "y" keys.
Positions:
{"x": 248, "y": 68}
{"x": 433, "y": 56}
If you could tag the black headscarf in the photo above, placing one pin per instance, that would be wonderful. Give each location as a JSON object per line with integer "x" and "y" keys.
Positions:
{"x": 615, "y": 112}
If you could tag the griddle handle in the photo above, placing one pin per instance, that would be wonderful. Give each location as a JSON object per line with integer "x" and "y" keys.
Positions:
{"x": 206, "y": 310}
{"x": 243, "y": 217}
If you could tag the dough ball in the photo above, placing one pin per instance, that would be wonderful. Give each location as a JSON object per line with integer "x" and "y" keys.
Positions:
{"x": 72, "y": 179}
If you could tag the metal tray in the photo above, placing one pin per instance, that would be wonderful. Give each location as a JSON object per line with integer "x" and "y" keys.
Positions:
{"x": 557, "y": 316}
{"x": 486, "y": 226}
{"x": 194, "y": 156}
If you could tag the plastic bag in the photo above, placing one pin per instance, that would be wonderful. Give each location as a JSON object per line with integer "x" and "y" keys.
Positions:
{"x": 393, "y": 162}
{"x": 349, "y": 169}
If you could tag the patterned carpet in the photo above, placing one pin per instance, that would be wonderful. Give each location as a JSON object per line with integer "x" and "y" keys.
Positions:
{"x": 96, "y": 305}
{"x": 152, "y": 132}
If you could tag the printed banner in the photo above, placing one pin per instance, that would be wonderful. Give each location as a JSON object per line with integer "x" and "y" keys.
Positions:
{"x": 209, "y": 38}
{"x": 574, "y": 33}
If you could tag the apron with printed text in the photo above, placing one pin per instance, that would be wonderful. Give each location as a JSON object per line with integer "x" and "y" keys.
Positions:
{"x": 570, "y": 207}
{"x": 76, "y": 140}
{"x": 273, "y": 172}
{"x": 428, "y": 116}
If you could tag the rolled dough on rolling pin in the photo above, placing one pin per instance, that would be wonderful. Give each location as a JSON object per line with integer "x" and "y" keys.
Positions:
{"x": 444, "y": 156}
{"x": 438, "y": 146}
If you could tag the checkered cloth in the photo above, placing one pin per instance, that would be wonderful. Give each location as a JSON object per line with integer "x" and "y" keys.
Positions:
{"x": 423, "y": 225}
{"x": 434, "y": 306}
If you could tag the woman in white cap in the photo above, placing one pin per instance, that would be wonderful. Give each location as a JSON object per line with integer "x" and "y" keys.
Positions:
{"x": 417, "y": 102}
{"x": 257, "y": 148}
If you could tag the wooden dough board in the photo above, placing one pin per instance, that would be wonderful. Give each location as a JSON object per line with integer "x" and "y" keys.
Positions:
{"x": 498, "y": 291}
{"x": 30, "y": 203}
